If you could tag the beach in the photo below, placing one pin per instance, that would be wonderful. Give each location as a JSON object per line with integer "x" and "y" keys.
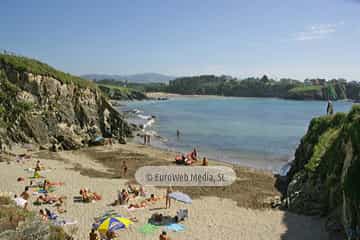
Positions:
{"x": 240, "y": 211}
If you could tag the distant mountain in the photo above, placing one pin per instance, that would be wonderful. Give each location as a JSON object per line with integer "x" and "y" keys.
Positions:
{"x": 138, "y": 78}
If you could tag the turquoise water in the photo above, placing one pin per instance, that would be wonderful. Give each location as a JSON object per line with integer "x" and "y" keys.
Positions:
{"x": 255, "y": 132}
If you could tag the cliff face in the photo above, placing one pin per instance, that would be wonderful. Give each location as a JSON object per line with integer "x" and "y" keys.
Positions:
{"x": 325, "y": 176}
{"x": 46, "y": 110}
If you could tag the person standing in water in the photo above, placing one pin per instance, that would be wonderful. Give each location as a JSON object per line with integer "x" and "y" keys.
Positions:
{"x": 329, "y": 108}
{"x": 178, "y": 133}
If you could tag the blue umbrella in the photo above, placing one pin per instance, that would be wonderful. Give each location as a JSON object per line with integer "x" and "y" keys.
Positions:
{"x": 181, "y": 197}
{"x": 99, "y": 139}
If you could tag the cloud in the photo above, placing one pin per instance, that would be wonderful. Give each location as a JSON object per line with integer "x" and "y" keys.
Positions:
{"x": 318, "y": 31}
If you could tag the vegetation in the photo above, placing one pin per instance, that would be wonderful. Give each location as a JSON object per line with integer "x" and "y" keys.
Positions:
{"x": 11, "y": 108}
{"x": 24, "y": 64}
{"x": 312, "y": 89}
{"x": 119, "y": 92}
{"x": 305, "y": 88}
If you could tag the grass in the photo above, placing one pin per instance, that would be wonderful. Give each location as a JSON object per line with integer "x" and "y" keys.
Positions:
{"x": 11, "y": 216}
{"x": 25, "y": 64}
{"x": 324, "y": 143}
{"x": 124, "y": 90}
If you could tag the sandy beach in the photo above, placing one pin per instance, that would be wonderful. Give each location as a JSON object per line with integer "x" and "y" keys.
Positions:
{"x": 235, "y": 212}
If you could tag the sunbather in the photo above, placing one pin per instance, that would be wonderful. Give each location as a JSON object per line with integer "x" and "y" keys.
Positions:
{"x": 153, "y": 198}
{"x": 46, "y": 199}
{"x": 136, "y": 205}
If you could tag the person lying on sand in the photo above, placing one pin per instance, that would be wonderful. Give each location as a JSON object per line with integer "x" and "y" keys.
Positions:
{"x": 153, "y": 198}
{"x": 136, "y": 205}
{"x": 88, "y": 196}
{"x": 46, "y": 199}
{"x": 60, "y": 205}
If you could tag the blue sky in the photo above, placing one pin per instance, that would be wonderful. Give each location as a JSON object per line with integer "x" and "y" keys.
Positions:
{"x": 281, "y": 38}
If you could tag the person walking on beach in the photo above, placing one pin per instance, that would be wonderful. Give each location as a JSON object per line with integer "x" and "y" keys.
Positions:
{"x": 124, "y": 168}
{"x": 145, "y": 139}
{"x": 329, "y": 108}
{"x": 168, "y": 199}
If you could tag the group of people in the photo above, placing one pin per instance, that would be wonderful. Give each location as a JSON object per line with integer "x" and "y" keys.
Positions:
{"x": 89, "y": 196}
{"x": 190, "y": 158}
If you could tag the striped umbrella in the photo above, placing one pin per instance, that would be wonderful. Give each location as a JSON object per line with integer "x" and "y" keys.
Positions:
{"x": 112, "y": 224}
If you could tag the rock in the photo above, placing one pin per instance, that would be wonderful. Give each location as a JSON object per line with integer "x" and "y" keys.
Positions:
{"x": 64, "y": 113}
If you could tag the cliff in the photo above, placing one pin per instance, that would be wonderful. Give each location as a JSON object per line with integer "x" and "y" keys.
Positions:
{"x": 325, "y": 176}
{"x": 121, "y": 93}
{"x": 44, "y": 106}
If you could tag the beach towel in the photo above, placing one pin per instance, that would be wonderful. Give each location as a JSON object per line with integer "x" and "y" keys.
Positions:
{"x": 148, "y": 229}
{"x": 64, "y": 222}
{"x": 40, "y": 190}
{"x": 175, "y": 227}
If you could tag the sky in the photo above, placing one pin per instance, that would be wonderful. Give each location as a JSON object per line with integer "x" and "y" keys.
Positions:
{"x": 280, "y": 38}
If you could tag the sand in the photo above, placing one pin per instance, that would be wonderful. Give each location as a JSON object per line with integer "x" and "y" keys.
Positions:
{"x": 210, "y": 217}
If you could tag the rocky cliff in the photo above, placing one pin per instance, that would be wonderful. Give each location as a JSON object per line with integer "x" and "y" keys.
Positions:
{"x": 325, "y": 177}
{"x": 50, "y": 108}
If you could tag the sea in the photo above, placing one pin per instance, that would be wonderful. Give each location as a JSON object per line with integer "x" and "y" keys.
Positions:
{"x": 261, "y": 133}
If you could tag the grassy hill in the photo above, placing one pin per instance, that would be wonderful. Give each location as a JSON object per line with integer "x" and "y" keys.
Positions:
{"x": 24, "y": 64}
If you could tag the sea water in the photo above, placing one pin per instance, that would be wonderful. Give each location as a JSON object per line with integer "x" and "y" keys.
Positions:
{"x": 255, "y": 132}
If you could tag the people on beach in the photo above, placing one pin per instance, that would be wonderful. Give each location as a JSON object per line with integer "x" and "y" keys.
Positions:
{"x": 26, "y": 196}
{"x": 205, "y": 162}
{"x": 43, "y": 215}
{"x": 38, "y": 166}
{"x": 93, "y": 235}
{"x": 167, "y": 196}
{"x": 110, "y": 235}
{"x": 124, "y": 168}
{"x": 194, "y": 154}
{"x": 178, "y": 133}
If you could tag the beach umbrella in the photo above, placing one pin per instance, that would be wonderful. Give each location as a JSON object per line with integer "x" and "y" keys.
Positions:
{"x": 113, "y": 224}
{"x": 181, "y": 197}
